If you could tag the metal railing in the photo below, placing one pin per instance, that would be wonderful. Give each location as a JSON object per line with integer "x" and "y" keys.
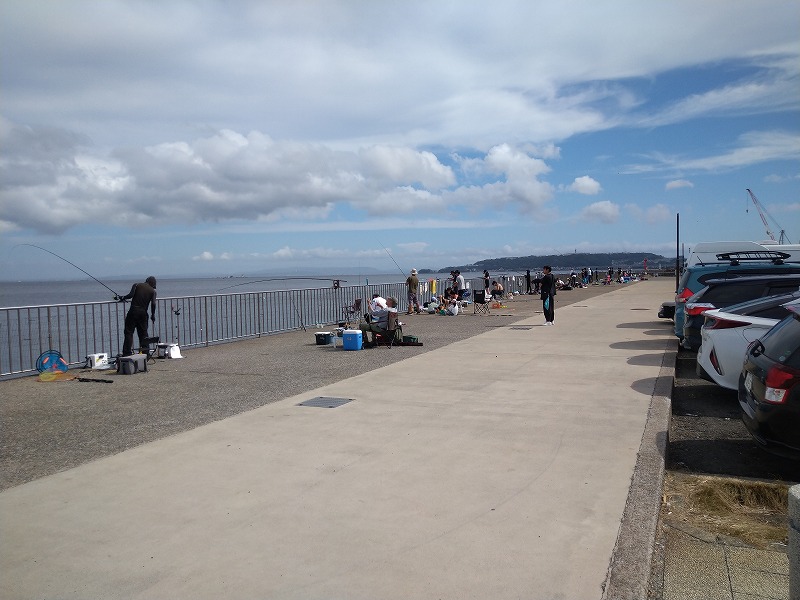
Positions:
{"x": 78, "y": 330}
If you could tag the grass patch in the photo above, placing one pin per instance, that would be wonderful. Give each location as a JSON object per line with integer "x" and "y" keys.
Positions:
{"x": 754, "y": 512}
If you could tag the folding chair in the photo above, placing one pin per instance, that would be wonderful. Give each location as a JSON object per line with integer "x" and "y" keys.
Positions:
{"x": 149, "y": 347}
{"x": 349, "y": 312}
{"x": 480, "y": 304}
{"x": 394, "y": 332}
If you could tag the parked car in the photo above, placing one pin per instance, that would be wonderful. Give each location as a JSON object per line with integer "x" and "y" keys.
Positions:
{"x": 769, "y": 387}
{"x": 667, "y": 310}
{"x": 728, "y": 332}
{"x": 721, "y": 293}
{"x": 706, "y": 253}
{"x": 736, "y": 264}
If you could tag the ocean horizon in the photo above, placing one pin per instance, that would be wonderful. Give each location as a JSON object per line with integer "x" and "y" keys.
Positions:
{"x": 79, "y": 291}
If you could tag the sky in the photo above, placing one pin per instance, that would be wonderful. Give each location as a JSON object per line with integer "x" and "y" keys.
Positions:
{"x": 202, "y": 138}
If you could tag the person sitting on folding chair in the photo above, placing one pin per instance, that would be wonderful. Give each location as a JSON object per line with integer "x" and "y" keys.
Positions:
{"x": 497, "y": 290}
{"x": 379, "y": 322}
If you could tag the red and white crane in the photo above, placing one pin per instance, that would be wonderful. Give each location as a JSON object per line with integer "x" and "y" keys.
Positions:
{"x": 762, "y": 212}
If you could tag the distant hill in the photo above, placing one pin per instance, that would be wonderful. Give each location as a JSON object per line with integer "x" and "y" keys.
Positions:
{"x": 600, "y": 260}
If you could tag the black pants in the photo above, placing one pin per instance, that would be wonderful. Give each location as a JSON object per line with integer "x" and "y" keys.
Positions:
{"x": 136, "y": 320}
{"x": 550, "y": 310}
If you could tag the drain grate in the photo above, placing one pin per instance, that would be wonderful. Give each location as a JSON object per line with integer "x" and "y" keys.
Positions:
{"x": 522, "y": 328}
{"x": 325, "y": 402}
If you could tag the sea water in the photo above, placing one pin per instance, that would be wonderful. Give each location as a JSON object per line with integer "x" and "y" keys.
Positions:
{"x": 42, "y": 293}
{"x": 80, "y": 318}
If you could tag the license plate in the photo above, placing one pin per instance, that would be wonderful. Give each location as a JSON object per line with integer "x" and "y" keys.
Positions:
{"x": 748, "y": 382}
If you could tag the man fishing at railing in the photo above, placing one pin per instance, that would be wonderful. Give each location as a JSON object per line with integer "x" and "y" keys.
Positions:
{"x": 141, "y": 295}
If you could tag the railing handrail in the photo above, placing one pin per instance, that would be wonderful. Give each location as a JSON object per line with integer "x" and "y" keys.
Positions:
{"x": 80, "y": 329}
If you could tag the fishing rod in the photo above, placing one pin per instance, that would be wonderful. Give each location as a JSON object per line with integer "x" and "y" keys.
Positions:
{"x": 392, "y": 257}
{"x": 336, "y": 282}
{"x": 73, "y": 264}
{"x": 299, "y": 316}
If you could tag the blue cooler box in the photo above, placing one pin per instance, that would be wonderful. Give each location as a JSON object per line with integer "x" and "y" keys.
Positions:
{"x": 351, "y": 339}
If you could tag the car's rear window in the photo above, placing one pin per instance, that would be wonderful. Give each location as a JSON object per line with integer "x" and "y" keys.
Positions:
{"x": 726, "y": 295}
{"x": 782, "y": 343}
{"x": 729, "y": 272}
{"x": 773, "y": 312}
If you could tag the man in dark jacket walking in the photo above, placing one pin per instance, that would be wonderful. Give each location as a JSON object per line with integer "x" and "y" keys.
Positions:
{"x": 141, "y": 296}
{"x": 548, "y": 292}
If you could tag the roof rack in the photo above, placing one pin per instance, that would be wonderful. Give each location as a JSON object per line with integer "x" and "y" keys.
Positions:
{"x": 774, "y": 256}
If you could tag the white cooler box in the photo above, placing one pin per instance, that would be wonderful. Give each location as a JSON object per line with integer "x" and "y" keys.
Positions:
{"x": 169, "y": 351}
{"x": 97, "y": 361}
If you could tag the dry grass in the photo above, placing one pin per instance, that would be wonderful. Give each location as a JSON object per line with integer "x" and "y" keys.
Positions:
{"x": 754, "y": 512}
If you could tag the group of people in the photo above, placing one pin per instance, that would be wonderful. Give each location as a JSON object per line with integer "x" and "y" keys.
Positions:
{"x": 449, "y": 301}
{"x": 381, "y": 311}
{"x": 446, "y": 303}
{"x": 533, "y": 282}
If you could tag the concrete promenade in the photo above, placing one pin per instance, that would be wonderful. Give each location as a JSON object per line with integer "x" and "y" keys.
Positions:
{"x": 495, "y": 467}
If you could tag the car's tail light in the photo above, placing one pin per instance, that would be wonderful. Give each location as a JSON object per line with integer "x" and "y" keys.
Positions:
{"x": 684, "y": 295}
{"x": 715, "y": 361}
{"x": 780, "y": 379}
{"x": 720, "y": 323}
{"x": 698, "y": 308}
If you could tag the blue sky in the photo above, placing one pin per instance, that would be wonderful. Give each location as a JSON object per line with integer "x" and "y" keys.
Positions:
{"x": 225, "y": 138}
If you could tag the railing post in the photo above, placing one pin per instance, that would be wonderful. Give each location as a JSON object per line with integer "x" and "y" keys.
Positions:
{"x": 205, "y": 319}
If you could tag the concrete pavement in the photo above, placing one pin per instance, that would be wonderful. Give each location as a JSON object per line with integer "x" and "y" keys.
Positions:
{"x": 495, "y": 467}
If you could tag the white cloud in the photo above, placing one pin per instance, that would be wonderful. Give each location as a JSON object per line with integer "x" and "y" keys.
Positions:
{"x": 405, "y": 165}
{"x": 232, "y": 176}
{"x": 659, "y": 214}
{"x": 514, "y": 163}
{"x": 601, "y": 212}
{"x": 775, "y": 178}
{"x": 791, "y": 207}
{"x": 206, "y": 256}
{"x": 754, "y": 148}
{"x": 678, "y": 183}
{"x": 402, "y": 200}
{"x": 772, "y": 93}
{"x": 585, "y": 185}
{"x": 320, "y": 253}
{"x": 423, "y": 117}
{"x": 413, "y": 247}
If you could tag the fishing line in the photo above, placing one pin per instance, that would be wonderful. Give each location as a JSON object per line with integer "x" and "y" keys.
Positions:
{"x": 71, "y": 263}
{"x": 335, "y": 281}
{"x": 299, "y": 316}
{"x": 392, "y": 257}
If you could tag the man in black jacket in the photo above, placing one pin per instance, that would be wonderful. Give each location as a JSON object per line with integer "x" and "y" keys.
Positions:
{"x": 141, "y": 295}
{"x": 548, "y": 292}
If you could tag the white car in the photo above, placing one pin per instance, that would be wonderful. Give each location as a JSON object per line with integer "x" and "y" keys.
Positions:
{"x": 727, "y": 332}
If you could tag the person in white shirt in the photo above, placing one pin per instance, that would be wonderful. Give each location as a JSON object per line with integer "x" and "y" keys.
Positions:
{"x": 379, "y": 322}
{"x": 460, "y": 285}
{"x": 377, "y": 303}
